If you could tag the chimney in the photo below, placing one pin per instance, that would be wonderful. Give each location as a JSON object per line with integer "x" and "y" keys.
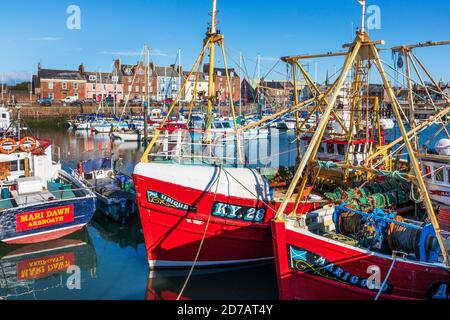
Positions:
{"x": 81, "y": 69}
{"x": 39, "y": 66}
{"x": 117, "y": 65}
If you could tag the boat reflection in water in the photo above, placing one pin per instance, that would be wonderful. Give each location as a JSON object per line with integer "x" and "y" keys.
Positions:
{"x": 27, "y": 271}
{"x": 125, "y": 235}
{"x": 249, "y": 282}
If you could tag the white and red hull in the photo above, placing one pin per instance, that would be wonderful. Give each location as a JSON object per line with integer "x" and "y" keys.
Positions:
{"x": 311, "y": 267}
{"x": 176, "y": 234}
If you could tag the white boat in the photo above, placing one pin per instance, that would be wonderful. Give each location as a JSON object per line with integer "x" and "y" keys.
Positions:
{"x": 130, "y": 136}
{"x": 436, "y": 169}
{"x": 102, "y": 127}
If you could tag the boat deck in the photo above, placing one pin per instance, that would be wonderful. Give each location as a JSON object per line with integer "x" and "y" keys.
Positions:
{"x": 55, "y": 191}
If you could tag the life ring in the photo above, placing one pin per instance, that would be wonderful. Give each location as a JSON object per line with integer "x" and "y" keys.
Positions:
{"x": 8, "y": 146}
{"x": 28, "y": 144}
{"x": 80, "y": 168}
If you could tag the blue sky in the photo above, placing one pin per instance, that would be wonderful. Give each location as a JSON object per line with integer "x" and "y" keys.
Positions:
{"x": 34, "y": 31}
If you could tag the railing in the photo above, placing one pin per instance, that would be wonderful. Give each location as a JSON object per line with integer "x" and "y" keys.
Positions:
{"x": 25, "y": 199}
{"x": 190, "y": 147}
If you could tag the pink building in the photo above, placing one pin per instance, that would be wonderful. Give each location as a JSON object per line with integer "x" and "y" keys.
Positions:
{"x": 104, "y": 85}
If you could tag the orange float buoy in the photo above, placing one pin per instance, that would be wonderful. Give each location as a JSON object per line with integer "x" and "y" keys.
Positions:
{"x": 28, "y": 144}
{"x": 8, "y": 146}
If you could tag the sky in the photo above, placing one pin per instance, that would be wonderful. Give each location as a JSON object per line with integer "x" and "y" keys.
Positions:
{"x": 36, "y": 31}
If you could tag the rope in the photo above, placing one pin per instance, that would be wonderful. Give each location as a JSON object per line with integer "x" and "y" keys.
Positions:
{"x": 387, "y": 277}
{"x": 417, "y": 199}
{"x": 249, "y": 191}
{"x": 401, "y": 238}
{"x": 203, "y": 238}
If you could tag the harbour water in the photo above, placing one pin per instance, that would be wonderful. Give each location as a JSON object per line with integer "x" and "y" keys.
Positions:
{"x": 111, "y": 257}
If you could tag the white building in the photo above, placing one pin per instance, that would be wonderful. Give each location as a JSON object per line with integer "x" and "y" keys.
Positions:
{"x": 168, "y": 82}
{"x": 202, "y": 86}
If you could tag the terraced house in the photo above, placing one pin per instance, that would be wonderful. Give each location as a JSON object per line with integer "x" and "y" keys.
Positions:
{"x": 59, "y": 84}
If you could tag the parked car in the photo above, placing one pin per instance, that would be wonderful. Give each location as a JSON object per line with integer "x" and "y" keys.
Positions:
{"x": 77, "y": 103}
{"x": 69, "y": 99}
{"x": 45, "y": 102}
{"x": 137, "y": 101}
{"x": 89, "y": 101}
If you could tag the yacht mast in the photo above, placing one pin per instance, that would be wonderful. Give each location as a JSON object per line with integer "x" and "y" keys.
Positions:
{"x": 211, "y": 93}
{"x": 147, "y": 89}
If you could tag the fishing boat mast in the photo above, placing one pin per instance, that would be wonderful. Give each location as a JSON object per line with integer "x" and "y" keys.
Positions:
{"x": 364, "y": 49}
{"x": 213, "y": 37}
{"x": 407, "y": 52}
{"x": 212, "y": 32}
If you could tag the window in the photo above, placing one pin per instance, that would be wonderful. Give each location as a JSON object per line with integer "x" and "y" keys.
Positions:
{"x": 50, "y": 85}
{"x": 219, "y": 73}
{"x": 143, "y": 89}
{"x": 64, "y": 85}
{"x": 104, "y": 87}
{"x": 14, "y": 166}
{"x": 92, "y": 78}
{"x": 321, "y": 148}
{"x": 75, "y": 86}
{"x": 50, "y": 95}
{"x": 94, "y": 87}
{"x": 129, "y": 80}
{"x": 439, "y": 175}
{"x": 137, "y": 88}
{"x": 341, "y": 149}
{"x": 226, "y": 125}
{"x": 115, "y": 79}
{"x": 76, "y": 94}
{"x": 129, "y": 88}
{"x": 330, "y": 148}
{"x": 427, "y": 171}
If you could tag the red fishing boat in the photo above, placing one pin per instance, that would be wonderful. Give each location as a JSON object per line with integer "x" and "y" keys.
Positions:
{"x": 210, "y": 215}
{"x": 314, "y": 267}
{"x": 197, "y": 205}
{"x": 380, "y": 239}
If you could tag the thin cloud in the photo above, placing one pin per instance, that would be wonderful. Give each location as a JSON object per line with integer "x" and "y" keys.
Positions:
{"x": 47, "y": 39}
{"x": 158, "y": 53}
{"x": 127, "y": 53}
{"x": 134, "y": 53}
{"x": 14, "y": 76}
